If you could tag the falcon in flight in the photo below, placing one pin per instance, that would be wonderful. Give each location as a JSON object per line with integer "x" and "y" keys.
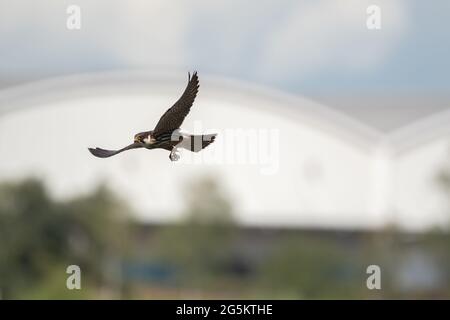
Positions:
{"x": 167, "y": 134}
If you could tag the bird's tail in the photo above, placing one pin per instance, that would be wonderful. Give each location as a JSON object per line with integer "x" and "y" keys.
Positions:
{"x": 197, "y": 142}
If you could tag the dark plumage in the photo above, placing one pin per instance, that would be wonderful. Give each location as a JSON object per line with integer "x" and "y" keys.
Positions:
{"x": 166, "y": 134}
{"x": 174, "y": 116}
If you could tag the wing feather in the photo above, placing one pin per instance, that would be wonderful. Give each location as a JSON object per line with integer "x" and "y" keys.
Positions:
{"x": 103, "y": 153}
{"x": 174, "y": 116}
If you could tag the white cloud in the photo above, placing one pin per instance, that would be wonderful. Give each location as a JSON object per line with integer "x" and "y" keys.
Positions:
{"x": 143, "y": 32}
{"x": 329, "y": 35}
{"x": 132, "y": 34}
{"x": 263, "y": 39}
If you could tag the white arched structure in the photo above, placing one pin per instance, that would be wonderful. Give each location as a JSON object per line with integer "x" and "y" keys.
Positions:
{"x": 284, "y": 159}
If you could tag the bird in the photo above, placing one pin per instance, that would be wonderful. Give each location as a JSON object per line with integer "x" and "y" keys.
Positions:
{"x": 167, "y": 133}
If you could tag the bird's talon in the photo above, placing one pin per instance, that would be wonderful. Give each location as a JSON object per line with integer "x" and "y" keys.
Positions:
{"x": 174, "y": 155}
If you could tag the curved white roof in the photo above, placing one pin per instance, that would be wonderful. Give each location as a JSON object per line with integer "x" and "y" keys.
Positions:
{"x": 327, "y": 168}
{"x": 47, "y": 91}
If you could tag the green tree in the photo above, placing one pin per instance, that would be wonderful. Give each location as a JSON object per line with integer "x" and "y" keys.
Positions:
{"x": 40, "y": 237}
{"x": 200, "y": 246}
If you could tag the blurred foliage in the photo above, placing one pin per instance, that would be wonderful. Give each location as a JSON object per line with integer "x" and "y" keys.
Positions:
{"x": 40, "y": 237}
{"x": 296, "y": 266}
{"x": 200, "y": 245}
{"x": 205, "y": 254}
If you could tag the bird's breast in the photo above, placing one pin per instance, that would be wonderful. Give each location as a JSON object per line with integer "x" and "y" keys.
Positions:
{"x": 149, "y": 140}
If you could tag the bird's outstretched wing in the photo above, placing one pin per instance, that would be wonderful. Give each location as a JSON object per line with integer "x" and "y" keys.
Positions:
{"x": 102, "y": 153}
{"x": 174, "y": 117}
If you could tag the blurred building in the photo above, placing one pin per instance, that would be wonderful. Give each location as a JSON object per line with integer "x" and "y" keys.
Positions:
{"x": 297, "y": 260}
{"x": 286, "y": 160}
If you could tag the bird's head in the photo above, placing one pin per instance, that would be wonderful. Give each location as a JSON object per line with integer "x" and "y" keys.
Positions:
{"x": 139, "y": 137}
{"x": 142, "y": 137}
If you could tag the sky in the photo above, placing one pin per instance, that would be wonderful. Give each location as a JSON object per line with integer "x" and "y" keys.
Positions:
{"x": 319, "y": 49}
